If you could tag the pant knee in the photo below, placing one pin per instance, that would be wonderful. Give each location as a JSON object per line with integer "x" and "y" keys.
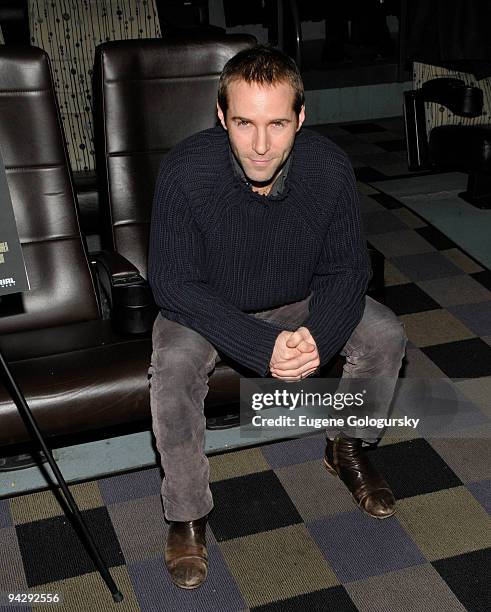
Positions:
{"x": 178, "y": 350}
{"x": 391, "y": 339}
{"x": 181, "y": 364}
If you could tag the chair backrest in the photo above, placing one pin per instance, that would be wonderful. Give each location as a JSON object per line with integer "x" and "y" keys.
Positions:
{"x": 436, "y": 114}
{"x": 149, "y": 95}
{"x": 40, "y": 185}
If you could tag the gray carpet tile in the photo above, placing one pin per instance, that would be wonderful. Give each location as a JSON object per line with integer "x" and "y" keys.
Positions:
{"x": 404, "y": 242}
{"x": 5, "y": 517}
{"x": 140, "y": 528}
{"x": 294, "y": 451}
{"x": 426, "y": 266}
{"x": 12, "y": 575}
{"x": 418, "y": 589}
{"x": 314, "y": 491}
{"x": 482, "y": 492}
{"x": 382, "y": 221}
{"x": 358, "y": 546}
{"x": 478, "y": 390}
{"x": 455, "y": 290}
{"x": 476, "y": 317}
{"x": 468, "y": 457}
{"x": 124, "y": 487}
{"x": 155, "y": 591}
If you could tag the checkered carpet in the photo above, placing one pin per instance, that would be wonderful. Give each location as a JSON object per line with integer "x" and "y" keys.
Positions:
{"x": 285, "y": 535}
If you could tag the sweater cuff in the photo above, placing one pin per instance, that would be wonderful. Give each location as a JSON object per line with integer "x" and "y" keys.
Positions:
{"x": 259, "y": 359}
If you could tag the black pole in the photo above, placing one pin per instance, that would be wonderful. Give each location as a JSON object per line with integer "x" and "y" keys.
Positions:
{"x": 26, "y": 413}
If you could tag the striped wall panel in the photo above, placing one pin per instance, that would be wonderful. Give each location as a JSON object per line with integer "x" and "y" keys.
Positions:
{"x": 69, "y": 30}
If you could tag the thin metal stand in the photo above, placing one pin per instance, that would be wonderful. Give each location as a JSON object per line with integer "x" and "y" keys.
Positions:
{"x": 27, "y": 415}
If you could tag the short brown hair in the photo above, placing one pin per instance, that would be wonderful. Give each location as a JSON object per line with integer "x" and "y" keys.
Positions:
{"x": 261, "y": 64}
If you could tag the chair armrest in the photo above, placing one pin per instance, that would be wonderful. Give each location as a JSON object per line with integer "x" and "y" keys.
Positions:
{"x": 131, "y": 304}
{"x": 117, "y": 268}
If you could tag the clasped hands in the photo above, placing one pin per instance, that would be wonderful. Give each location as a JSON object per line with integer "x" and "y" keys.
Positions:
{"x": 295, "y": 355}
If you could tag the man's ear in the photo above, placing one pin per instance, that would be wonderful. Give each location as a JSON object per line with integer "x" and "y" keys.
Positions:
{"x": 301, "y": 117}
{"x": 221, "y": 116}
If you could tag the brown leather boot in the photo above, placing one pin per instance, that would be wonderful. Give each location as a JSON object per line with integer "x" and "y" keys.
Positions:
{"x": 186, "y": 556}
{"x": 344, "y": 457}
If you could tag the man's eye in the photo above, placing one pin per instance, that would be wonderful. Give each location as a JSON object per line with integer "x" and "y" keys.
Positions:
{"x": 241, "y": 122}
{"x": 278, "y": 123}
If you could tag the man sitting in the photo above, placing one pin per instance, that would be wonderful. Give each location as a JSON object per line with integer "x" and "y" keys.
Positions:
{"x": 257, "y": 254}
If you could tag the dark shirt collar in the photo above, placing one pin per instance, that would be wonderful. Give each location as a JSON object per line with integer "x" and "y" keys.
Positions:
{"x": 278, "y": 185}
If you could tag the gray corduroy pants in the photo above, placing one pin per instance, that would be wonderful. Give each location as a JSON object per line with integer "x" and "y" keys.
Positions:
{"x": 182, "y": 360}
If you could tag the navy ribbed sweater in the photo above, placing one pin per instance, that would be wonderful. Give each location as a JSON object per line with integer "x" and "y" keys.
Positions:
{"x": 219, "y": 251}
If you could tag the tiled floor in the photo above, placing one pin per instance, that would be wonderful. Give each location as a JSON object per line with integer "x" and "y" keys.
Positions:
{"x": 284, "y": 535}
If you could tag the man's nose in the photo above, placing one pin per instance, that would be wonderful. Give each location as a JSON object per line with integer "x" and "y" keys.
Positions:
{"x": 261, "y": 141}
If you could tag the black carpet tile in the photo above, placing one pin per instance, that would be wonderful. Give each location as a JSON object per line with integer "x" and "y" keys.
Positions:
{"x": 483, "y": 277}
{"x": 386, "y": 200}
{"x": 336, "y": 599}
{"x": 52, "y": 551}
{"x": 413, "y": 467}
{"x": 469, "y": 577}
{"x": 408, "y": 298}
{"x": 462, "y": 359}
{"x": 436, "y": 238}
{"x": 250, "y": 504}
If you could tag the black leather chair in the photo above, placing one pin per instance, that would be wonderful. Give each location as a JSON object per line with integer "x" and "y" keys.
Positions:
{"x": 76, "y": 373}
{"x": 148, "y": 96}
{"x": 465, "y": 148}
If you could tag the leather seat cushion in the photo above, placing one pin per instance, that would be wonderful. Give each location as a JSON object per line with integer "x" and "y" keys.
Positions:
{"x": 84, "y": 377}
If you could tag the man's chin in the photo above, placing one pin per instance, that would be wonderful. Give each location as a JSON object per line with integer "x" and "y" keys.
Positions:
{"x": 259, "y": 179}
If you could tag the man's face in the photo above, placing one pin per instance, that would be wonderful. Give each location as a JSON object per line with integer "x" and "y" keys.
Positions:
{"x": 261, "y": 125}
